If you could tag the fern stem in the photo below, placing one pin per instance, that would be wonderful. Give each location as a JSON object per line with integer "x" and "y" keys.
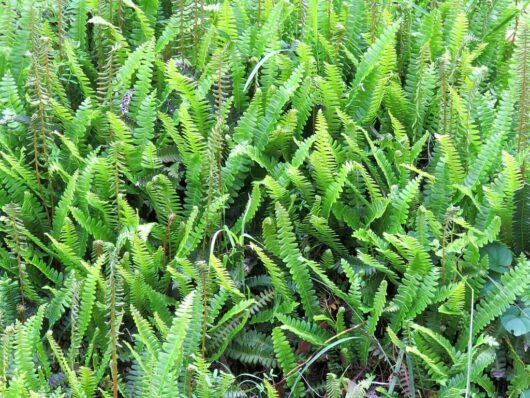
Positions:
{"x": 190, "y": 382}
{"x": 198, "y": 5}
{"x": 98, "y": 39}
{"x": 220, "y": 83}
{"x": 329, "y": 18}
{"x": 44, "y": 138}
{"x": 470, "y": 344}
{"x": 113, "y": 331}
{"x": 41, "y": 118}
{"x": 20, "y": 266}
{"x": 120, "y": 14}
{"x": 205, "y": 308}
{"x": 116, "y": 170}
{"x": 443, "y": 89}
{"x": 182, "y": 44}
{"x": 60, "y": 28}
{"x": 109, "y": 80}
{"x": 166, "y": 243}
{"x": 521, "y": 129}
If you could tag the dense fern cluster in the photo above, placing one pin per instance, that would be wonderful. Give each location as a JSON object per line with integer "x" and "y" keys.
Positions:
{"x": 299, "y": 198}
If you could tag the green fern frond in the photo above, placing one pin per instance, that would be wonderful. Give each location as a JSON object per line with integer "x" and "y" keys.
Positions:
{"x": 286, "y": 359}
{"x": 291, "y": 256}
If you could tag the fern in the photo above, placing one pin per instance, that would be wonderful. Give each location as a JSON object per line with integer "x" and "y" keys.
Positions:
{"x": 511, "y": 284}
{"x": 170, "y": 357}
{"x": 372, "y": 55}
{"x": 291, "y": 256}
{"x": 286, "y": 358}
{"x": 87, "y": 299}
{"x": 194, "y": 192}
{"x": 379, "y": 302}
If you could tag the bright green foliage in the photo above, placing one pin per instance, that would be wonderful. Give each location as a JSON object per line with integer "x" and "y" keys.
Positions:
{"x": 241, "y": 198}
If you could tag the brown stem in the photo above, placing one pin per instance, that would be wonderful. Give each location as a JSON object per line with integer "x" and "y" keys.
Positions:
{"x": 16, "y": 237}
{"x": 36, "y": 138}
{"x": 113, "y": 332}
{"x": 166, "y": 243}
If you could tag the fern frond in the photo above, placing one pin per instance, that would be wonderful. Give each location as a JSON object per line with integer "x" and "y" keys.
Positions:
{"x": 291, "y": 255}
{"x": 286, "y": 359}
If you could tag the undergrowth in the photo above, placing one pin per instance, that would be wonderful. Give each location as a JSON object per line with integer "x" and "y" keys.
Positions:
{"x": 280, "y": 198}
